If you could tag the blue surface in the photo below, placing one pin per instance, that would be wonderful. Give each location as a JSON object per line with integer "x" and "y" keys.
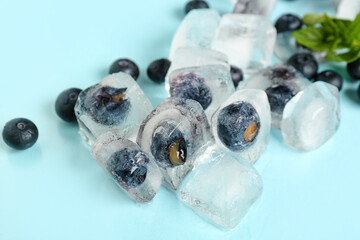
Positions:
{"x": 55, "y": 190}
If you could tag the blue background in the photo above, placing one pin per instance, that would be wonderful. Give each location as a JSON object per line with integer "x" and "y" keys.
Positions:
{"x": 55, "y": 190}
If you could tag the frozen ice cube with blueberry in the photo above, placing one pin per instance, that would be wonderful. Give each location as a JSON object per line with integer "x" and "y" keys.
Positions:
{"x": 174, "y": 134}
{"x": 221, "y": 187}
{"x": 197, "y": 30}
{"x": 311, "y": 117}
{"x": 242, "y": 123}
{"x": 131, "y": 168}
{"x": 281, "y": 83}
{"x": 117, "y": 102}
{"x": 261, "y": 7}
{"x": 247, "y": 40}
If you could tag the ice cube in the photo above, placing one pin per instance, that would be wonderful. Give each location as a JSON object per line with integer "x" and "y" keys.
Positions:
{"x": 311, "y": 117}
{"x": 117, "y": 102}
{"x": 242, "y": 124}
{"x": 196, "y": 30}
{"x": 281, "y": 83}
{"x": 286, "y": 46}
{"x": 132, "y": 169}
{"x": 261, "y": 7}
{"x": 174, "y": 133}
{"x": 221, "y": 187}
{"x": 247, "y": 40}
{"x": 348, "y": 9}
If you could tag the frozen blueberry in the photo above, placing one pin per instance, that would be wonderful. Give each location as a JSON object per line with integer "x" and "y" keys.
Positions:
{"x": 238, "y": 126}
{"x": 283, "y": 73}
{"x": 353, "y": 69}
{"x": 278, "y": 97}
{"x": 108, "y": 105}
{"x": 331, "y": 77}
{"x": 195, "y": 4}
{"x": 304, "y": 63}
{"x": 358, "y": 92}
{"x": 126, "y": 66}
{"x": 158, "y": 69}
{"x": 236, "y": 75}
{"x": 191, "y": 86}
{"x": 129, "y": 167}
{"x": 168, "y": 145}
{"x": 20, "y": 133}
{"x": 288, "y": 22}
{"x": 65, "y": 103}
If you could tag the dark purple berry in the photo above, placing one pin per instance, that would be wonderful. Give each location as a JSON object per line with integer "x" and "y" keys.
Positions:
{"x": 20, "y": 133}
{"x": 195, "y": 4}
{"x": 126, "y": 66}
{"x": 236, "y": 75}
{"x": 288, "y": 22}
{"x": 278, "y": 97}
{"x": 353, "y": 69}
{"x": 65, "y": 103}
{"x": 158, "y": 69}
{"x": 304, "y": 63}
{"x": 331, "y": 77}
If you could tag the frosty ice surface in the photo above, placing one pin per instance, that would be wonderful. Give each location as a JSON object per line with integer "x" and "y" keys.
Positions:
{"x": 221, "y": 187}
{"x": 197, "y": 30}
{"x": 281, "y": 83}
{"x": 132, "y": 169}
{"x": 242, "y": 124}
{"x": 348, "y": 9}
{"x": 174, "y": 133}
{"x": 117, "y": 102}
{"x": 261, "y": 7}
{"x": 311, "y": 117}
{"x": 247, "y": 40}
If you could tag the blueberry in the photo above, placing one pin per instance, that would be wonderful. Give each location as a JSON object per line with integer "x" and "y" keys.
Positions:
{"x": 20, "y": 133}
{"x": 358, "y": 92}
{"x": 353, "y": 69}
{"x": 195, "y": 4}
{"x": 126, "y": 66}
{"x": 236, "y": 75}
{"x": 191, "y": 86}
{"x": 108, "y": 105}
{"x": 158, "y": 69}
{"x": 238, "y": 126}
{"x": 129, "y": 166}
{"x": 304, "y": 63}
{"x": 169, "y": 145}
{"x": 65, "y": 103}
{"x": 278, "y": 97}
{"x": 331, "y": 77}
{"x": 282, "y": 72}
{"x": 288, "y": 22}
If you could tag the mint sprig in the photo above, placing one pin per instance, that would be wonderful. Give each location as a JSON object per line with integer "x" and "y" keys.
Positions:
{"x": 340, "y": 38}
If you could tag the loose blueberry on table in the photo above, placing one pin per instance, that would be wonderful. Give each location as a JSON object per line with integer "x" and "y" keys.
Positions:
{"x": 238, "y": 126}
{"x": 304, "y": 63}
{"x": 158, "y": 69}
{"x": 331, "y": 77}
{"x": 288, "y": 22}
{"x": 353, "y": 68}
{"x": 195, "y": 4}
{"x": 20, "y": 133}
{"x": 236, "y": 75}
{"x": 65, "y": 103}
{"x": 125, "y": 65}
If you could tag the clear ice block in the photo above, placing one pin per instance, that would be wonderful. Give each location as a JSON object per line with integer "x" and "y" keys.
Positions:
{"x": 197, "y": 30}
{"x": 247, "y": 40}
{"x": 348, "y": 9}
{"x": 286, "y": 46}
{"x": 242, "y": 124}
{"x": 117, "y": 102}
{"x": 281, "y": 83}
{"x": 260, "y": 7}
{"x": 174, "y": 134}
{"x": 221, "y": 187}
{"x": 132, "y": 169}
{"x": 312, "y": 117}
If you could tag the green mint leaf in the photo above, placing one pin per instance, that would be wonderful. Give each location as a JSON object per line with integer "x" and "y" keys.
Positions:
{"x": 313, "y": 38}
{"x": 350, "y": 56}
{"x": 354, "y": 28}
{"x": 312, "y": 19}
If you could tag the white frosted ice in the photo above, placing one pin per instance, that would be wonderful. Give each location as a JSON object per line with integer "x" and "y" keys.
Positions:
{"x": 98, "y": 111}
{"x": 130, "y": 168}
{"x": 258, "y": 100}
{"x": 196, "y": 30}
{"x": 221, "y": 187}
{"x": 312, "y": 117}
{"x": 247, "y": 40}
{"x": 261, "y": 7}
{"x": 348, "y": 9}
